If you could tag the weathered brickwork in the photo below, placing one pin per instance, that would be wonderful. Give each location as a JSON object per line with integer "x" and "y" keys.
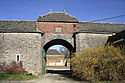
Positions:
{"x": 49, "y": 27}
{"x": 28, "y": 45}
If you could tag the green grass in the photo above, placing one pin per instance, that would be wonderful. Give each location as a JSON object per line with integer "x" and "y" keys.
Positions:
{"x": 6, "y": 76}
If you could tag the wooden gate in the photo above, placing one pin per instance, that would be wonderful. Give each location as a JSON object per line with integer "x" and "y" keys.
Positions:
{"x": 43, "y": 61}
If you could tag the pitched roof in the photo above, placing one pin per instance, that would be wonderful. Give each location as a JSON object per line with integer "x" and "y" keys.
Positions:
{"x": 53, "y": 52}
{"x": 117, "y": 36}
{"x": 10, "y": 25}
{"x": 57, "y": 17}
{"x": 101, "y": 27}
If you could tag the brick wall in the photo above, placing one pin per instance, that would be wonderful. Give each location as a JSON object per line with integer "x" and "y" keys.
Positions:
{"x": 55, "y": 60}
{"x": 49, "y": 27}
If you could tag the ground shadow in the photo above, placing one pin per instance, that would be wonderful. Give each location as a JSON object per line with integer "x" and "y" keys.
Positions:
{"x": 64, "y": 73}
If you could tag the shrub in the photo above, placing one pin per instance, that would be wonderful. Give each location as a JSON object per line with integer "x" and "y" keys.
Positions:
{"x": 101, "y": 63}
{"x": 14, "y": 68}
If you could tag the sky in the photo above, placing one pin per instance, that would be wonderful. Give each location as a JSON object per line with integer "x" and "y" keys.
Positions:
{"x": 83, "y": 10}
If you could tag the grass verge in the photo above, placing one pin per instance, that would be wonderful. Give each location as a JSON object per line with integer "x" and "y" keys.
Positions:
{"x": 7, "y": 76}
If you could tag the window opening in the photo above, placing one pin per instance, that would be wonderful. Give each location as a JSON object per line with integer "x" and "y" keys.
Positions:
{"x": 17, "y": 57}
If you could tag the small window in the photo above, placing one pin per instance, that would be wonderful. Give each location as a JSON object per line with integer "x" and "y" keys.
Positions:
{"x": 58, "y": 29}
{"x": 17, "y": 57}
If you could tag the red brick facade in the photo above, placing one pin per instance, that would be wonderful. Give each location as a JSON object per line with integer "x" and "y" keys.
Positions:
{"x": 50, "y": 27}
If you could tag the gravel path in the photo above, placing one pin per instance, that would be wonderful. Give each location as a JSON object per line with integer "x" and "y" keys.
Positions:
{"x": 53, "y": 76}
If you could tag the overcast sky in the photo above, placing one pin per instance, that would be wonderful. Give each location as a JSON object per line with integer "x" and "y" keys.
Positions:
{"x": 84, "y": 10}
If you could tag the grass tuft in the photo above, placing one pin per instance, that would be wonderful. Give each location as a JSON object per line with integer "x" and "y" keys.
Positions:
{"x": 8, "y": 76}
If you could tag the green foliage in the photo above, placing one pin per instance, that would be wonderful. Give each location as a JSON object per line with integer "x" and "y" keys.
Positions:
{"x": 101, "y": 63}
{"x": 8, "y": 76}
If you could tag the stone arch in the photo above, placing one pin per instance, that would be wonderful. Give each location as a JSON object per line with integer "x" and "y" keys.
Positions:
{"x": 51, "y": 43}
{"x": 58, "y": 42}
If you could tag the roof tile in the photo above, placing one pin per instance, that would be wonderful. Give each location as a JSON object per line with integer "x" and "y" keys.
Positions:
{"x": 57, "y": 17}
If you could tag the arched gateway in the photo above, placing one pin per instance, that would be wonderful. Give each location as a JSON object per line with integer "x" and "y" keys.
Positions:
{"x": 51, "y": 43}
{"x": 58, "y": 28}
{"x": 28, "y": 41}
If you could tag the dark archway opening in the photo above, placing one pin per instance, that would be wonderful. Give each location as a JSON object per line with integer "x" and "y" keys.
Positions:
{"x": 57, "y": 42}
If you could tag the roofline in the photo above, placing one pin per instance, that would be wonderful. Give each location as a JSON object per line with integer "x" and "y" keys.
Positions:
{"x": 103, "y": 22}
{"x": 94, "y": 32}
{"x": 56, "y": 12}
{"x": 20, "y": 31}
{"x": 20, "y": 20}
{"x": 59, "y": 21}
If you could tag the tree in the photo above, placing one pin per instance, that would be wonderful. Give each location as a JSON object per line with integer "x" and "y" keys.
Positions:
{"x": 66, "y": 53}
{"x": 63, "y": 50}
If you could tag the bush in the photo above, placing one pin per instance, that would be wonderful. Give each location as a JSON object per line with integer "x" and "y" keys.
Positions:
{"x": 14, "y": 68}
{"x": 101, "y": 63}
